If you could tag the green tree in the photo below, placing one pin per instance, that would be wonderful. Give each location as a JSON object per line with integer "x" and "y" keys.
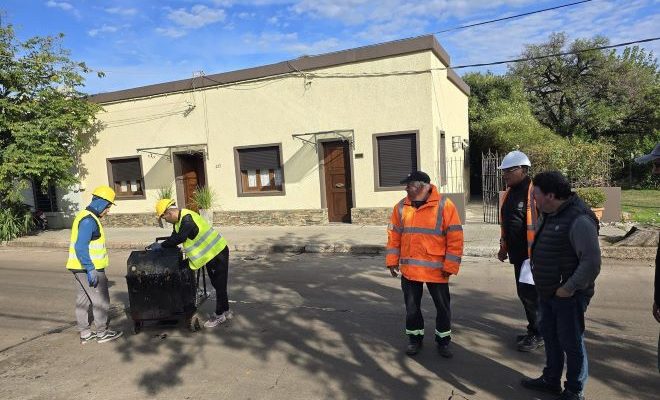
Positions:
{"x": 45, "y": 120}
{"x": 594, "y": 94}
{"x": 501, "y": 118}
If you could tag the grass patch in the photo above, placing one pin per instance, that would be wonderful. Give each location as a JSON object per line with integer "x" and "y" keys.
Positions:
{"x": 643, "y": 205}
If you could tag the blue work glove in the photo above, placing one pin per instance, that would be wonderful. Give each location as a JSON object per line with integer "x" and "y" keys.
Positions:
{"x": 155, "y": 246}
{"x": 92, "y": 278}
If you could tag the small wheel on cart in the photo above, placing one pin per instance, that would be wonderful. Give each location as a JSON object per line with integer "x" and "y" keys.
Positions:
{"x": 137, "y": 327}
{"x": 194, "y": 323}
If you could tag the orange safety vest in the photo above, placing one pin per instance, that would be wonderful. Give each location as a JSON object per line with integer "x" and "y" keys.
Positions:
{"x": 532, "y": 217}
{"x": 425, "y": 242}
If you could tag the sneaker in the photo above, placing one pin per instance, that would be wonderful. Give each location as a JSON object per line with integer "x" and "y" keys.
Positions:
{"x": 88, "y": 339}
{"x": 568, "y": 395}
{"x": 541, "y": 384}
{"x": 215, "y": 320}
{"x": 109, "y": 335}
{"x": 413, "y": 348}
{"x": 228, "y": 314}
{"x": 443, "y": 350}
{"x": 520, "y": 338}
{"x": 530, "y": 343}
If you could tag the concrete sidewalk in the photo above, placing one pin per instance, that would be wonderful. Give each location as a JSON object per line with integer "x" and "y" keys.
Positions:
{"x": 481, "y": 240}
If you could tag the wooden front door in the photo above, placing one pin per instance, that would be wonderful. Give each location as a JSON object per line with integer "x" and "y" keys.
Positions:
{"x": 192, "y": 176}
{"x": 338, "y": 188}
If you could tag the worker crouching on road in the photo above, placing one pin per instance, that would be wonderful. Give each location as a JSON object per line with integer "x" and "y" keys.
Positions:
{"x": 425, "y": 241}
{"x": 88, "y": 256}
{"x": 204, "y": 247}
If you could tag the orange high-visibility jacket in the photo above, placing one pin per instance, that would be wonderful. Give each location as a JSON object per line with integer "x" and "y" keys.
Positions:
{"x": 426, "y": 242}
{"x": 532, "y": 217}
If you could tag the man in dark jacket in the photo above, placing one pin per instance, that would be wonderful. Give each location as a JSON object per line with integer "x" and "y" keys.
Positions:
{"x": 518, "y": 217}
{"x": 655, "y": 157}
{"x": 565, "y": 264}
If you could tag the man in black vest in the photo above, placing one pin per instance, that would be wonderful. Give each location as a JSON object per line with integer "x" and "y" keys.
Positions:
{"x": 565, "y": 264}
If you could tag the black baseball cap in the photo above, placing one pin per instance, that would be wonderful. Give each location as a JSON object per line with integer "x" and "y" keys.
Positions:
{"x": 416, "y": 176}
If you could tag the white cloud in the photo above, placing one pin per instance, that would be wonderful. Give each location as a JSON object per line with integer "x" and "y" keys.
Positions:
{"x": 290, "y": 43}
{"x": 273, "y": 20}
{"x": 197, "y": 17}
{"x": 60, "y": 4}
{"x": 127, "y": 12}
{"x": 171, "y": 32}
{"x": 103, "y": 29}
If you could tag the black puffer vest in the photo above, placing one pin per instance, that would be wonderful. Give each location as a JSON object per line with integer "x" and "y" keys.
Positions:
{"x": 553, "y": 258}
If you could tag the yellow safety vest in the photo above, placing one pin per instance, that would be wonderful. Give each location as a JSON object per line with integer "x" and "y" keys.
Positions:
{"x": 203, "y": 247}
{"x": 97, "y": 250}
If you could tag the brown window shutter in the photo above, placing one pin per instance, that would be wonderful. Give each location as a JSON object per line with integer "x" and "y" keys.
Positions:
{"x": 397, "y": 157}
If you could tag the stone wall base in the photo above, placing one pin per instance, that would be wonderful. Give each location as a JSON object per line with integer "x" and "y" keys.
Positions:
{"x": 272, "y": 217}
{"x": 130, "y": 220}
{"x": 371, "y": 215}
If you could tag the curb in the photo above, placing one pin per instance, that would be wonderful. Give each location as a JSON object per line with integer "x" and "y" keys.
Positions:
{"x": 615, "y": 252}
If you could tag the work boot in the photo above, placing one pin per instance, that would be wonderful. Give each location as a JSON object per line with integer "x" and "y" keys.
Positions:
{"x": 568, "y": 395}
{"x": 530, "y": 343}
{"x": 88, "y": 339}
{"x": 108, "y": 336}
{"x": 541, "y": 385}
{"x": 443, "y": 350}
{"x": 413, "y": 347}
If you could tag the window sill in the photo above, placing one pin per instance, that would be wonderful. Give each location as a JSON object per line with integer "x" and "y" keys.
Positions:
{"x": 259, "y": 194}
{"x": 135, "y": 197}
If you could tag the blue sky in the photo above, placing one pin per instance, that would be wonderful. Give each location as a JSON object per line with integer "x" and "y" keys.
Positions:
{"x": 138, "y": 43}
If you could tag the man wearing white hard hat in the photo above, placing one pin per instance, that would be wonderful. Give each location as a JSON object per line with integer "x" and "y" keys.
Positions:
{"x": 518, "y": 216}
{"x": 654, "y": 157}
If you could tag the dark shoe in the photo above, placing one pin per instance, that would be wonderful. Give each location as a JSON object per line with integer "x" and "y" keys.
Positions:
{"x": 568, "y": 395}
{"x": 443, "y": 350}
{"x": 413, "y": 348}
{"x": 519, "y": 338}
{"x": 530, "y": 343}
{"x": 540, "y": 384}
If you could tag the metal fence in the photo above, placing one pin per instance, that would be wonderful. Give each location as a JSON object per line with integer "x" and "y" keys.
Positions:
{"x": 491, "y": 186}
{"x": 453, "y": 177}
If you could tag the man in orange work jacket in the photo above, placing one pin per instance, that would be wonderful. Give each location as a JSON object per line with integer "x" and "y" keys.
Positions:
{"x": 425, "y": 241}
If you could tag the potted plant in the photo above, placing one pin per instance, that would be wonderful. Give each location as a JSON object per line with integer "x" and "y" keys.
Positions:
{"x": 594, "y": 198}
{"x": 204, "y": 198}
{"x": 165, "y": 192}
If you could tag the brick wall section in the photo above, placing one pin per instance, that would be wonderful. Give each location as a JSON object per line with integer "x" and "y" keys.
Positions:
{"x": 371, "y": 216}
{"x": 266, "y": 217}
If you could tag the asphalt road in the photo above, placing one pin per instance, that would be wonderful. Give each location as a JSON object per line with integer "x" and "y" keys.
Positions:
{"x": 311, "y": 326}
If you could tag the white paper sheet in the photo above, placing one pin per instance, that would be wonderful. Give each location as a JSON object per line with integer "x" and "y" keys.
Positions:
{"x": 278, "y": 177}
{"x": 526, "y": 273}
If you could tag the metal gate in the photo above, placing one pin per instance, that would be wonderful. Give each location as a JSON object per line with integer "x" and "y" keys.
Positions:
{"x": 491, "y": 186}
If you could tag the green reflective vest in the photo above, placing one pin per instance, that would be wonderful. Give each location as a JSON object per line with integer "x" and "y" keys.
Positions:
{"x": 203, "y": 247}
{"x": 97, "y": 251}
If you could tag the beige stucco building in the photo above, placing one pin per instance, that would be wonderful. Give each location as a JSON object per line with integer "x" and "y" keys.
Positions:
{"x": 313, "y": 140}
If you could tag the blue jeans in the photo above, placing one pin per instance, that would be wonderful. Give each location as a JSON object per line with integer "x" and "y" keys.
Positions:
{"x": 562, "y": 327}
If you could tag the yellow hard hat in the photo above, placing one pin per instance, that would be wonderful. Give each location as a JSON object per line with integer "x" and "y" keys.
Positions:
{"x": 162, "y": 205}
{"x": 105, "y": 192}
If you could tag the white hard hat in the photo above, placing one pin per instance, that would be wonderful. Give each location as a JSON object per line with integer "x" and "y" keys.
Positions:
{"x": 515, "y": 158}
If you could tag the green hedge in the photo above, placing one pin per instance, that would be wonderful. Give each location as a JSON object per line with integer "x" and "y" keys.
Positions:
{"x": 585, "y": 164}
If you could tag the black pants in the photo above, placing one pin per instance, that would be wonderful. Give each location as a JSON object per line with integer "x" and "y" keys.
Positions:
{"x": 530, "y": 300}
{"x": 412, "y": 295}
{"x": 218, "y": 270}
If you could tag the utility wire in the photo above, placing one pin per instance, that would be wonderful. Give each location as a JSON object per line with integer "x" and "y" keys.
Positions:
{"x": 508, "y": 18}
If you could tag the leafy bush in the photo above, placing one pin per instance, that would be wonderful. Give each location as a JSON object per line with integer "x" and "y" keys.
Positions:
{"x": 165, "y": 192}
{"x": 203, "y": 197}
{"x": 594, "y": 197}
{"x": 585, "y": 164}
{"x": 14, "y": 222}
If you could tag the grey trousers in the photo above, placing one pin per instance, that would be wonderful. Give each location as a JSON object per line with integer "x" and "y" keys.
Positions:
{"x": 98, "y": 299}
